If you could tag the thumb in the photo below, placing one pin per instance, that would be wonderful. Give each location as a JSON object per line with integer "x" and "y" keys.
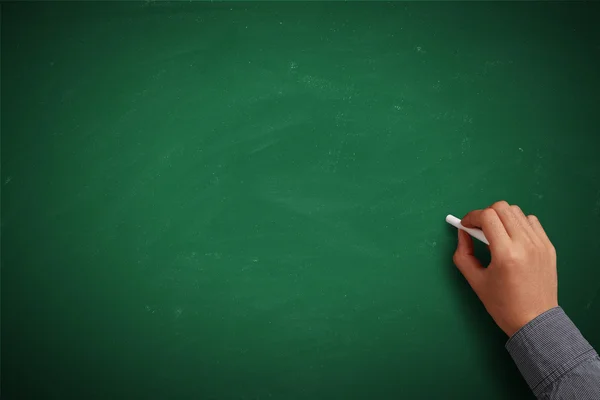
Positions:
{"x": 466, "y": 261}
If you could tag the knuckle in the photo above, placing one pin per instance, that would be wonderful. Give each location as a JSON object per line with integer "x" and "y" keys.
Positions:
{"x": 532, "y": 218}
{"x": 499, "y": 205}
{"x": 488, "y": 213}
{"x": 515, "y": 208}
{"x": 510, "y": 255}
{"x": 513, "y": 257}
{"x": 456, "y": 258}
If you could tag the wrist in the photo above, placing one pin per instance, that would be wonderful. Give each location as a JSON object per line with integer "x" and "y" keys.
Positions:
{"x": 526, "y": 318}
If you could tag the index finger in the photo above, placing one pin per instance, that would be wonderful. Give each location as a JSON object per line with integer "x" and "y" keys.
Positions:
{"x": 488, "y": 220}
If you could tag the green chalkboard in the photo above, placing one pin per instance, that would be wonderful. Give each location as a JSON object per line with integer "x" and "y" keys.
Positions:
{"x": 247, "y": 200}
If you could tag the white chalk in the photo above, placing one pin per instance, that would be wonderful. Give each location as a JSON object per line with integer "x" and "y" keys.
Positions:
{"x": 476, "y": 233}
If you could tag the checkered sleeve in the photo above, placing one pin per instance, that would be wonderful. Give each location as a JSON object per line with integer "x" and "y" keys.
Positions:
{"x": 555, "y": 359}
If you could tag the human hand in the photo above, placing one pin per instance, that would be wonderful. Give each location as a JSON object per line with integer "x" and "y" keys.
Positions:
{"x": 520, "y": 283}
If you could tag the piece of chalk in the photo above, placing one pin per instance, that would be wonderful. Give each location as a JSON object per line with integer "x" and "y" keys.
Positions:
{"x": 476, "y": 233}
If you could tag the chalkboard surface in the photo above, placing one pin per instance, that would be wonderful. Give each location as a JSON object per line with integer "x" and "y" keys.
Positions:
{"x": 247, "y": 200}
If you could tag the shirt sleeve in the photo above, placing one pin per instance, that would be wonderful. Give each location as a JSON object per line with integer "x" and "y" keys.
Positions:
{"x": 555, "y": 359}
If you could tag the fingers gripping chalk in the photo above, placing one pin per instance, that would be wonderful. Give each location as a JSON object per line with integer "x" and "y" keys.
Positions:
{"x": 476, "y": 233}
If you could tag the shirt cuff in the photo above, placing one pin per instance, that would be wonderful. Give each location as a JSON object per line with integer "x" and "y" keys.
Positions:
{"x": 547, "y": 347}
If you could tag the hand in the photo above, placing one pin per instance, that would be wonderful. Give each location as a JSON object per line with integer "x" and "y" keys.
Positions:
{"x": 520, "y": 283}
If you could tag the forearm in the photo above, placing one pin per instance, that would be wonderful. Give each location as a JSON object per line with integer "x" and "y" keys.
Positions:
{"x": 555, "y": 359}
